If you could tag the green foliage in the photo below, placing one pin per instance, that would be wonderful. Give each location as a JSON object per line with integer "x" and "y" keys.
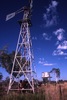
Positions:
{"x": 6, "y": 61}
{"x": 56, "y": 71}
{"x": 1, "y": 76}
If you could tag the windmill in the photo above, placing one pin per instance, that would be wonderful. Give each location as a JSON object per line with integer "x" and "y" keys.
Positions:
{"x": 23, "y": 61}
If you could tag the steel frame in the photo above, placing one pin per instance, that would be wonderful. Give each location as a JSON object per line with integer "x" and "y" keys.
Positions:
{"x": 24, "y": 47}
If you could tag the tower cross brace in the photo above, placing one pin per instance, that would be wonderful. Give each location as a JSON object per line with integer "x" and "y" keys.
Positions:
{"x": 22, "y": 68}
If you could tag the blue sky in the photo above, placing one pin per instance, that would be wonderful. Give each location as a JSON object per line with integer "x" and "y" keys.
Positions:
{"x": 48, "y": 33}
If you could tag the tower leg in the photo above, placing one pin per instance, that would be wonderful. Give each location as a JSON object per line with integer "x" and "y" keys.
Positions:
{"x": 22, "y": 65}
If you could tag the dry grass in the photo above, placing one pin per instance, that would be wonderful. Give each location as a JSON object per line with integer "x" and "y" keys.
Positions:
{"x": 55, "y": 91}
{"x": 49, "y": 91}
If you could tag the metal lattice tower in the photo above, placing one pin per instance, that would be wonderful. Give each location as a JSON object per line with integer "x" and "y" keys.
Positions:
{"x": 23, "y": 60}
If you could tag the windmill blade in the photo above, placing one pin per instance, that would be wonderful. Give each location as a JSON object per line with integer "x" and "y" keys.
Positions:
{"x": 10, "y": 16}
{"x": 20, "y": 10}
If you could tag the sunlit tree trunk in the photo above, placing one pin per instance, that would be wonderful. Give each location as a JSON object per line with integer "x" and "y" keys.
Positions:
{"x": 56, "y": 77}
{"x": 1, "y": 76}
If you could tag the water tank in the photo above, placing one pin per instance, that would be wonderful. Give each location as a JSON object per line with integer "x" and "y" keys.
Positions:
{"x": 45, "y": 74}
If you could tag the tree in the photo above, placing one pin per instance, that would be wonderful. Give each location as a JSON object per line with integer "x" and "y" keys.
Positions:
{"x": 6, "y": 61}
{"x": 57, "y": 73}
{"x": 1, "y": 76}
{"x": 6, "y": 81}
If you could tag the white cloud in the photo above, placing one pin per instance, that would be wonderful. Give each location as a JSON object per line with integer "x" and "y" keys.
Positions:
{"x": 60, "y": 37}
{"x": 62, "y": 46}
{"x": 60, "y": 30}
{"x": 59, "y": 52}
{"x": 34, "y": 38}
{"x": 54, "y": 3}
{"x": 48, "y": 64}
{"x": 61, "y": 43}
{"x": 45, "y": 63}
{"x": 46, "y": 37}
{"x": 60, "y": 34}
{"x": 65, "y": 57}
{"x": 57, "y": 43}
{"x": 50, "y": 17}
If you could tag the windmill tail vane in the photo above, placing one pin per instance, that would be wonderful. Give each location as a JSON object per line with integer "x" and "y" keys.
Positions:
{"x": 9, "y": 16}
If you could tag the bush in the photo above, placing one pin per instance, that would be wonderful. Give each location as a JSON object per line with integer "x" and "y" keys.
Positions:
{"x": 2, "y": 90}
